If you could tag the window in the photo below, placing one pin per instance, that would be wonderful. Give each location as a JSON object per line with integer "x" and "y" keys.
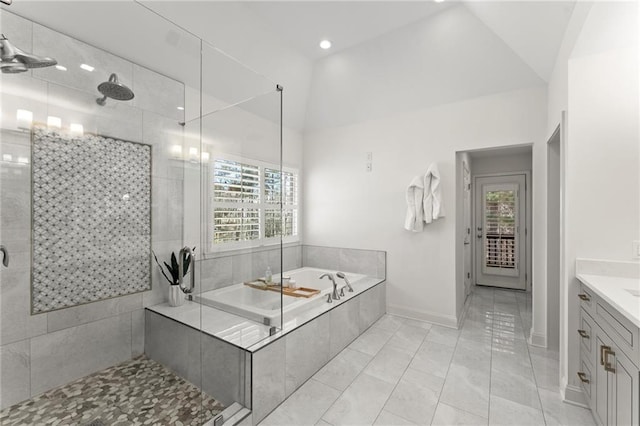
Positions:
{"x": 245, "y": 204}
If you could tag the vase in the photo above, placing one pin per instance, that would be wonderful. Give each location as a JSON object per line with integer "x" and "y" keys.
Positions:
{"x": 176, "y": 296}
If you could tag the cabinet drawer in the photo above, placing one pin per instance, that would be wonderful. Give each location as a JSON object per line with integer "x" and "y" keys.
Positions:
{"x": 586, "y": 299}
{"x": 622, "y": 331}
{"x": 587, "y": 339}
{"x": 586, "y": 379}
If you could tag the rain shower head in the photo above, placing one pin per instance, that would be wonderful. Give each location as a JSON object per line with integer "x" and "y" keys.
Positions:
{"x": 15, "y": 60}
{"x": 115, "y": 90}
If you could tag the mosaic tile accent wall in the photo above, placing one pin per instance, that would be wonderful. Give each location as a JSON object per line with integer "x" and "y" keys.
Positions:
{"x": 91, "y": 218}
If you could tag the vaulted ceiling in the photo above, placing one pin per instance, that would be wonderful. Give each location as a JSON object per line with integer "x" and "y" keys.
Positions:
{"x": 280, "y": 39}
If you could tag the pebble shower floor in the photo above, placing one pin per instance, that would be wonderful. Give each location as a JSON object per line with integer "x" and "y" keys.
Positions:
{"x": 137, "y": 392}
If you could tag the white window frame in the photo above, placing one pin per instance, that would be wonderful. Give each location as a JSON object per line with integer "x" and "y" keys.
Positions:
{"x": 262, "y": 206}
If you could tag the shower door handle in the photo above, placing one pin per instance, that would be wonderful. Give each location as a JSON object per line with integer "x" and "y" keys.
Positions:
{"x": 5, "y": 256}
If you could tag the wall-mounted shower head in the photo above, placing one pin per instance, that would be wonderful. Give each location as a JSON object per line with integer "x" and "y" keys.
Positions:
{"x": 15, "y": 60}
{"x": 115, "y": 90}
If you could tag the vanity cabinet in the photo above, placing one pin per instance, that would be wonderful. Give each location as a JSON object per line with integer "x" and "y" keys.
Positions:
{"x": 609, "y": 361}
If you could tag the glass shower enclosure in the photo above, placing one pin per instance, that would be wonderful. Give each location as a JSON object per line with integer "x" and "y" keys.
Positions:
{"x": 132, "y": 189}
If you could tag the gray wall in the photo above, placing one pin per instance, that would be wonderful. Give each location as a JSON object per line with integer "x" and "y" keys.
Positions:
{"x": 39, "y": 352}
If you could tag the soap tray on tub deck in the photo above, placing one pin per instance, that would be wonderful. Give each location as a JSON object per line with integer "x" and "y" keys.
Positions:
{"x": 295, "y": 292}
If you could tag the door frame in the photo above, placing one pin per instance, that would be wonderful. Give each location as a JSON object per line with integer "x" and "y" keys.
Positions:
{"x": 527, "y": 234}
{"x": 468, "y": 276}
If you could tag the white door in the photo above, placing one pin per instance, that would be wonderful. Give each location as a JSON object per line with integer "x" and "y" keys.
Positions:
{"x": 466, "y": 253}
{"x": 500, "y": 227}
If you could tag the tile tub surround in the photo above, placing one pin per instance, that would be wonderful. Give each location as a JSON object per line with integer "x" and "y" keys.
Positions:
{"x": 225, "y": 269}
{"x": 277, "y": 365}
{"x": 139, "y": 391}
{"x": 407, "y": 372}
{"x": 25, "y": 339}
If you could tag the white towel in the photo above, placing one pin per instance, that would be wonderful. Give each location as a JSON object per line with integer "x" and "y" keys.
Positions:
{"x": 432, "y": 203}
{"x": 415, "y": 213}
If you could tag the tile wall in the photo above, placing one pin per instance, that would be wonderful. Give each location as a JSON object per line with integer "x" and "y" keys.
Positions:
{"x": 38, "y": 352}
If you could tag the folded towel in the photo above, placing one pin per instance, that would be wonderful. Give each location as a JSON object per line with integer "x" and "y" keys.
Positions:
{"x": 432, "y": 203}
{"x": 414, "y": 220}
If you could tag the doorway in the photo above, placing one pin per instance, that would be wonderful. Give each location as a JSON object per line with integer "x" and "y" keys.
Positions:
{"x": 500, "y": 218}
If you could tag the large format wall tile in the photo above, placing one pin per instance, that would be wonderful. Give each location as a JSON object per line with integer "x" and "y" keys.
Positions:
{"x": 222, "y": 370}
{"x": 268, "y": 369}
{"x": 174, "y": 345}
{"x": 137, "y": 332}
{"x": 166, "y": 210}
{"x": 14, "y": 373}
{"x": 163, "y": 134}
{"x": 115, "y": 119}
{"x": 18, "y": 30}
{"x": 321, "y": 257}
{"x": 360, "y": 261}
{"x": 16, "y": 321}
{"x": 60, "y": 357}
{"x": 71, "y": 53}
{"x": 307, "y": 350}
{"x": 344, "y": 326}
{"x": 158, "y": 93}
{"x": 216, "y": 273}
{"x": 77, "y": 315}
{"x": 21, "y": 91}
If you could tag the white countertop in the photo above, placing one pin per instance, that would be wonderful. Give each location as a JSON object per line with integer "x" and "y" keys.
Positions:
{"x": 617, "y": 291}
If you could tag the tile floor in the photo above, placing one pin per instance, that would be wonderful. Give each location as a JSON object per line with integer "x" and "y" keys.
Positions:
{"x": 406, "y": 372}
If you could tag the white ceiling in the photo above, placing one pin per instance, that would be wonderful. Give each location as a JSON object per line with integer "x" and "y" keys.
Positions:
{"x": 532, "y": 29}
{"x": 302, "y": 24}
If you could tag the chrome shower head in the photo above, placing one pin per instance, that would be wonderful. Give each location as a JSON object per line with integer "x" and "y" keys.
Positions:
{"x": 115, "y": 90}
{"x": 11, "y": 54}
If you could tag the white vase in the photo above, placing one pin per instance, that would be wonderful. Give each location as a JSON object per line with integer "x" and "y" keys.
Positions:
{"x": 176, "y": 296}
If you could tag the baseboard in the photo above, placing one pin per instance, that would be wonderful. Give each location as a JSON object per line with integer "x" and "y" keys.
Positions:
{"x": 438, "y": 319}
{"x": 538, "y": 339}
{"x": 572, "y": 394}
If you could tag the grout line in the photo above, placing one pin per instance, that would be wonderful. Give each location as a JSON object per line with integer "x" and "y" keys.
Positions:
{"x": 403, "y": 373}
{"x": 359, "y": 374}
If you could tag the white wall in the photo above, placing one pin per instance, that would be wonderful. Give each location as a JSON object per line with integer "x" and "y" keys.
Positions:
{"x": 415, "y": 96}
{"x": 347, "y": 207}
{"x": 596, "y": 81}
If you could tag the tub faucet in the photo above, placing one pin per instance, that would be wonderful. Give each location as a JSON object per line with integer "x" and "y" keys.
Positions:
{"x": 334, "y": 295}
{"x": 346, "y": 281}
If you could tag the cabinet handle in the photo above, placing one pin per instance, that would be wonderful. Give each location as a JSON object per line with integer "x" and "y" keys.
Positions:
{"x": 603, "y": 349}
{"x": 584, "y": 296}
{"x": 583, "y": 377}
{"x": 607, "y": 365}
{"x": 583, "y": 334}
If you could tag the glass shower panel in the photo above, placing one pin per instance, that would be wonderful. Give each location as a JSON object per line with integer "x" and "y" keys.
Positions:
{"x": 91, "y": 194}
{"x": 241, "y": 231}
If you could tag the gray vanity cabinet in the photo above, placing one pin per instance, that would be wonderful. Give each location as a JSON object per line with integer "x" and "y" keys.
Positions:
{"x": 609, "y": 362}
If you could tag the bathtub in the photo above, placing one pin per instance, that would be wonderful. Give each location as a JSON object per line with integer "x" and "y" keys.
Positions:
{"x": 264, "y": 306}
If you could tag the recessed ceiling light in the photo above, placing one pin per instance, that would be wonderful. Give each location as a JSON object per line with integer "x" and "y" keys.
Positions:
{"x": 87, "y": 67}
{"x": 61, "y": 68}
{"x": 438, "y": 1}
{"x": 180, "y": 108}
{"x": 325, "y": 44}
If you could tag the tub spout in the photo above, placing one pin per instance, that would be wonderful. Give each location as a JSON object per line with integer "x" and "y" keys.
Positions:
{"x": 334, "y": 295}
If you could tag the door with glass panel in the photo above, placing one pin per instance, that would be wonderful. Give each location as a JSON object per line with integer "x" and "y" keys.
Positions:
{"x": 500, "y": 203}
